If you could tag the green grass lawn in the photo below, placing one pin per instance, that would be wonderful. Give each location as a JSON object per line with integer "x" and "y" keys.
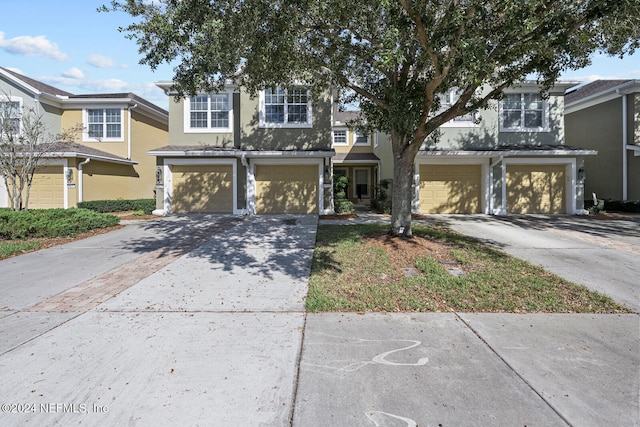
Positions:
{"x": 12, "y": 248}
{"x": 350, "y": 273}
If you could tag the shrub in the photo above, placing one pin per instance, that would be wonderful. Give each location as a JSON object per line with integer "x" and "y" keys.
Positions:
{"x": 105, "y": 206}
{"x": 342, "y": 204}
{"x": 51, "y": 222}
{"x": 381, "y": 200}
{"x": 609, "y": 205}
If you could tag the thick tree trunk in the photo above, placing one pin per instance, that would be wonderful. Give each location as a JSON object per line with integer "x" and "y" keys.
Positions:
{"x": 404, "y": 154}
{"x": 402, "y": 195}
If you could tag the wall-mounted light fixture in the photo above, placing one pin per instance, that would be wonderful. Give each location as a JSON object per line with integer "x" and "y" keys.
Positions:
{"x": 581, "y": 173}
{"x": 159, "y": 176}
{"x": 69, "y": 175}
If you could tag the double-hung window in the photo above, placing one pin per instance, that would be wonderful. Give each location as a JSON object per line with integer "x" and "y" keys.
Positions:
{"x": 340, "y": 137}
{"x": 208, "y": 113}
{"x": 449, "y": 98}
{"x": 10, "y": 117}
{"x": 524, "y": 112}
{"x": 361, "y": 138}
{"x": 285, "y": 107}
{"x": 103, "y": 124}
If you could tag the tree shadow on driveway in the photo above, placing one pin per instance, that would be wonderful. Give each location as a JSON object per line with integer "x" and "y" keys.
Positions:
{"x": 260, "y": 245}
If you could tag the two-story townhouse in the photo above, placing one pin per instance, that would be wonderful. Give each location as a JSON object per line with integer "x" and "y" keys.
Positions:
{"x": 510, "y": 158}
{"x": 107, "y": 157}
{"x": 604, "y": 115}
{"x": 230, "y": 152}
{"x": 354, "y": 157}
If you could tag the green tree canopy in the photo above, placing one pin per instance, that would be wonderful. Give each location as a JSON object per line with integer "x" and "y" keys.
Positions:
{"x": 392, "y": 57}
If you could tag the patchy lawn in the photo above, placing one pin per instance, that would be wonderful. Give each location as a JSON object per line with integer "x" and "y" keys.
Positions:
{"x": 360, "y": 268}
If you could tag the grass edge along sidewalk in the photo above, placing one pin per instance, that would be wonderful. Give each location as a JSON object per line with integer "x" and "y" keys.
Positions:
{"x": 360, "y": 268}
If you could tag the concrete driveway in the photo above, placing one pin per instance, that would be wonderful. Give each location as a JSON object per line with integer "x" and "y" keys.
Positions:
{"x": 182, "y": 321}
{"x": 600, "y": 254}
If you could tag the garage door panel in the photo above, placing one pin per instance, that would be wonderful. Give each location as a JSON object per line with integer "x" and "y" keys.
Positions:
{"x": 286, "y": 189}
{"x": 450, "y": 188}
{"x": 536, "y": 189}
{"x": 47, "y": 188}
{"x": 202, "y": 188}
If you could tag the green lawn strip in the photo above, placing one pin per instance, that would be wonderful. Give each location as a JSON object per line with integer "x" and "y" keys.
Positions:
{"x": 349, "y": 275}
{"x": 8, "y": 249}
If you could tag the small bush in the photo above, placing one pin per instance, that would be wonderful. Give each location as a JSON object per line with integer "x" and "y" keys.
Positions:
{"x": 105, "y": 206}
{"x": 51, "y": 222}
{"x": 632, "y": 206}
{"x": 381, "y": 200}
{"x": 342, "y": 204}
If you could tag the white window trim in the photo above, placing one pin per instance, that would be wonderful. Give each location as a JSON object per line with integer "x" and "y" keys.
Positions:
{"x": 545, "y": 116}
{"x": 453, "y": 123}
{"x": 208, "y": 129}
{"x": 264, "y": 124}
{"x": 357, "y": 133}
{"x": 19, "y": 100}
{"x": 346, "y": 137}
{"x": 85, "y": 123}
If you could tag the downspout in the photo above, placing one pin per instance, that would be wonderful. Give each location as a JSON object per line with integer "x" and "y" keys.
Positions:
{"x": 129, "y": 131}
{"x": 80, "y": 178}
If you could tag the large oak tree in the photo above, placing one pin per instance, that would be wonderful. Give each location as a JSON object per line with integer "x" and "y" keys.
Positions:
{"x": 393, "y": 57}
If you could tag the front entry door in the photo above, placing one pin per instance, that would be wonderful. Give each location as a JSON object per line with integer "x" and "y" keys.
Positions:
{"x": 362, "y": 183}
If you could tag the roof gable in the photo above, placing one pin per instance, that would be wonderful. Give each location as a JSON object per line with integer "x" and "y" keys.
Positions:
{"x": 31, "y": 84}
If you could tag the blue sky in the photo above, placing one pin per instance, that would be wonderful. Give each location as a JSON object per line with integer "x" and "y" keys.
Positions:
{"x": 69, "y": 45}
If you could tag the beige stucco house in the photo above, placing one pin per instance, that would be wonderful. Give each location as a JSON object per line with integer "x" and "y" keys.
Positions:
{"x": 229, "y": 152}
{"x": 605, "y": 116}
{"x": 107, "y": 157}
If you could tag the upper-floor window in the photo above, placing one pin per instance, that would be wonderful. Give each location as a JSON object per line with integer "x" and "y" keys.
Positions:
{"x": 285, "y": 107}
{"x": 524, "y": 112}
{"x": 449, "y": 98}
{"x": 340, "y": 137}
{"x": 360, "y": 138}
{"x": 208, "y": 113}
{"x": 10, "y": 117}
{"x": 103, "y": 124}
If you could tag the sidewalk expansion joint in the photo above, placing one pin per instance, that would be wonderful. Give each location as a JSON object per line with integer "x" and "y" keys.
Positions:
{"x": 514, "y": 371}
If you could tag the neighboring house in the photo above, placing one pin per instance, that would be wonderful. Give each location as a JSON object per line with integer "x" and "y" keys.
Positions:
{"x": 231, "y": 153}
{"x": 508, "y": 159}
{"x": 605, "y": 116}
{"x": 354, "y": 157}
{"x": 106, "y": 160}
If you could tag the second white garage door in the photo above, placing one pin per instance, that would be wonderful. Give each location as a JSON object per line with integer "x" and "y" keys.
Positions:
{"x": 286, "y": 189}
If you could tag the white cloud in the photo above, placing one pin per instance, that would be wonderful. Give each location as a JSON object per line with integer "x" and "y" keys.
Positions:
{"x": 73, "y": 73}
{"x": 101, "y": 61}
{"x": 31, "y": 46}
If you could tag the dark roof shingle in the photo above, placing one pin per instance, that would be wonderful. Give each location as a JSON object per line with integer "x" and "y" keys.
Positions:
{"x": 591, "y": 89}
{"x": 42, "y": 87}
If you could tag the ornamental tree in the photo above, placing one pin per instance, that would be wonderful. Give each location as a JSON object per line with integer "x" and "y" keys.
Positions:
{"x": 392, "y": 57}
{"x": 24, "y": 141}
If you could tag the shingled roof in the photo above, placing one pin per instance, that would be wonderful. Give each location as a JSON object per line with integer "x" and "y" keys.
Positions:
{"x": 42, "y": 87}
{"x": 590, "y": 89}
